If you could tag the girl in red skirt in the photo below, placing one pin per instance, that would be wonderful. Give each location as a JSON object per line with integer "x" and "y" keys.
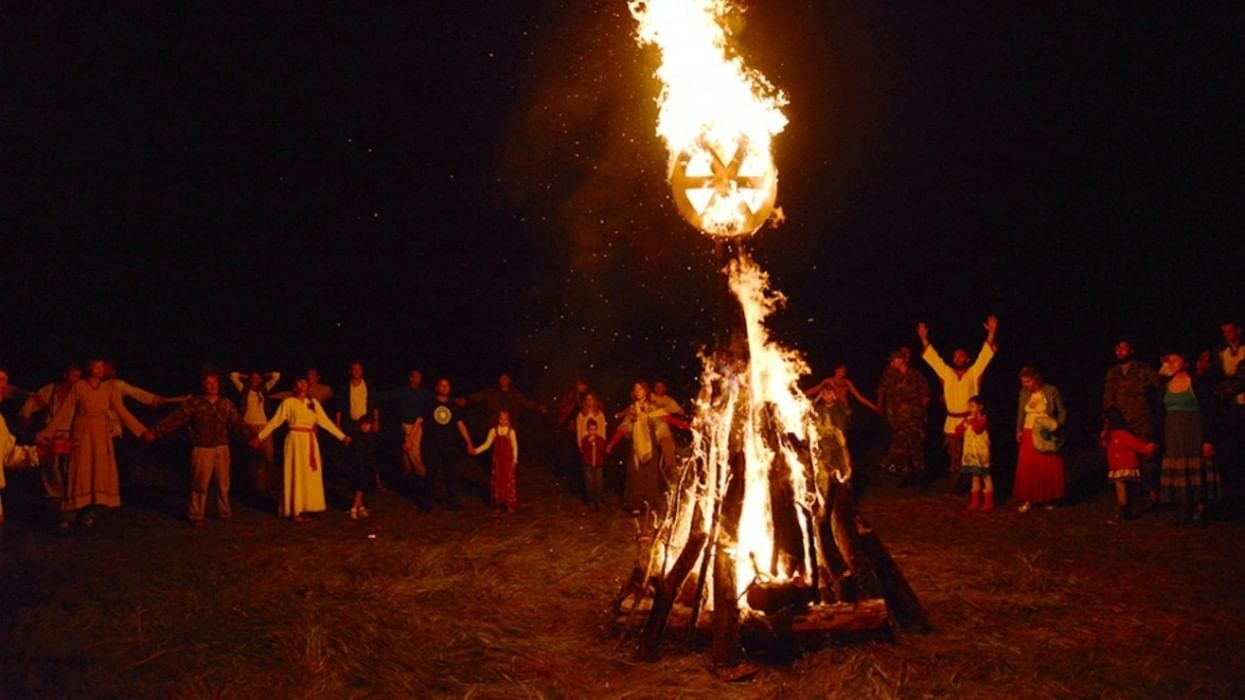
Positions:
{"x": 505, "y": 446}
{"x": 1123, "y": 466}
{"x": 1040, "y": 417}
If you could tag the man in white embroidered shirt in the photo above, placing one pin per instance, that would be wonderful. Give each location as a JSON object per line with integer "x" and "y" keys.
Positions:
{"x": 961, "y": 381}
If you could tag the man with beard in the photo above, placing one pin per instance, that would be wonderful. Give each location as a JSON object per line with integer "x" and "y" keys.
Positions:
{"x": 961, "y": 381}
{"x": 1128, "y": 387}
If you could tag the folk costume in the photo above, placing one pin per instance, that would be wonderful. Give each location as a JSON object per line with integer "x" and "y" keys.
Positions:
{"x": 303, "y": 486}
{"x": 1188, "y": 478}
{"x": 958, "y": 386}
{"x": 91, "y": 478}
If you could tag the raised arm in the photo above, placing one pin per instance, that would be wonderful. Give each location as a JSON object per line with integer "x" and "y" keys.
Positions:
{"x": 271, "y": 379}
{"x": 983, "y": 359}
{"x": 992, "y": 326}
{"x": 935, "y": 361}
{"x": 235, "y": 378}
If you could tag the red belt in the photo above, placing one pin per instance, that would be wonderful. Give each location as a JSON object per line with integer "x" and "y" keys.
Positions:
{"x": 311, "y": 433}
{"x": 957, "y": 415}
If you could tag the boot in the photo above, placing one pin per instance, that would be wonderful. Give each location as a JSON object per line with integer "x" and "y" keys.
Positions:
{"x": 987, "y": 501}
{"x": 974, "y": 500}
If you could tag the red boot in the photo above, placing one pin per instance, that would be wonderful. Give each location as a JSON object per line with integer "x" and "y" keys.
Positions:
{"x": 987, "y": 503}
{"x": 974, "y": 500}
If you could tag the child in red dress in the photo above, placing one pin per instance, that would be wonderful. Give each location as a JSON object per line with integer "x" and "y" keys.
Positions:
{"x": 1123, "y": 467}
{"x": 505, "y": 446}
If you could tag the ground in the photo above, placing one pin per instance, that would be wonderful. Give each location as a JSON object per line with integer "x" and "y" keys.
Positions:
{"x": 430, "y": 604}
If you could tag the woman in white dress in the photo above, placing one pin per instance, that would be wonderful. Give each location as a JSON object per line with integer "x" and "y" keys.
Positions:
{"x": 303, "y": 486}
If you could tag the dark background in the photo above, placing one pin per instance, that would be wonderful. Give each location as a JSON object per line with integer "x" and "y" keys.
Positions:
{"x": 468, "y": 187}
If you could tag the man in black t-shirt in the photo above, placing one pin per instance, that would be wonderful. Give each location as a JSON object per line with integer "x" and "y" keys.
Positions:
{"x": 437, "y": 433}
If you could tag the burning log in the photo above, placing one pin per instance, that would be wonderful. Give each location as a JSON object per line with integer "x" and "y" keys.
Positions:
{"x": 725, "y": 596}
{"x": 667, "y": 590}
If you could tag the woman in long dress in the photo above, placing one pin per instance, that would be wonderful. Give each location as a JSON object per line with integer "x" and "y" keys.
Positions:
{"x": 643, "y": 479}
{"x": 303, "y": 486}
{"x": 1039, "y": 472}
{"x": 91, "y": 479}
{"x": 1189, "y": 477}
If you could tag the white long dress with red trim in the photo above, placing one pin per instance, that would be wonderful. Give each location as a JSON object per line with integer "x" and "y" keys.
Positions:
{"x": 303, "y": 487}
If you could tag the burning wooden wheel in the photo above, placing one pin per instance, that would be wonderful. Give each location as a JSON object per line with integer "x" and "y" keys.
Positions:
{"x": 726, "y": 189}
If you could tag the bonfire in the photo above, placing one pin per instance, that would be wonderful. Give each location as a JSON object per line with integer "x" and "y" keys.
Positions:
{"x": 760, "y": 548}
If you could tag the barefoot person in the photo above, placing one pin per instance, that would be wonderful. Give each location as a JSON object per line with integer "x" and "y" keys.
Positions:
{"x": 303, "y": 485}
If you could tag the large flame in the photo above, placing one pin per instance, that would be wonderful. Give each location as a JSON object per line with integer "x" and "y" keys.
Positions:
{"x": 717, "y": 116}
{"x": 718, "y": 119}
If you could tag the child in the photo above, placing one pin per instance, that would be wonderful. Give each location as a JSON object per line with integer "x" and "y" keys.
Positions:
{"x": 505, "y": 446}
{"x": 592, "y": 456}
{"x": 362, "y": 461}
{"x": 1123, "y": 467}
{"x": 976, "y": 461}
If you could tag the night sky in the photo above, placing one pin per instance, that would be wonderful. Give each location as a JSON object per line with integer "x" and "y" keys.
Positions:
{"x": 472, "y": 187}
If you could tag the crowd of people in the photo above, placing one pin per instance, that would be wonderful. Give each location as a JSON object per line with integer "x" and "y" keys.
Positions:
{"x": 1166, "y": 434}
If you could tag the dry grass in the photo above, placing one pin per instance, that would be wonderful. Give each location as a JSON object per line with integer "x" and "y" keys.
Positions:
{"x": 473, "y": 605}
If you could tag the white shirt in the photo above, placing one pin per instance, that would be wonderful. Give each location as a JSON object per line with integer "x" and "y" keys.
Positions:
{"x": 254, "y": 412}
{"x": 358, "y": 400}
{"x": 957, "y": 389}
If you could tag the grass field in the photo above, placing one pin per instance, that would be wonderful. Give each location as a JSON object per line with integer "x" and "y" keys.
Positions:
{"x": 430, "y": 604}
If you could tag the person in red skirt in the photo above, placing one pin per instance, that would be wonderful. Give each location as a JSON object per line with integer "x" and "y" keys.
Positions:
{"x": 1123, "y": 464}
{"x": 1040, "y": 417}
{"x": 505, "y": 446}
